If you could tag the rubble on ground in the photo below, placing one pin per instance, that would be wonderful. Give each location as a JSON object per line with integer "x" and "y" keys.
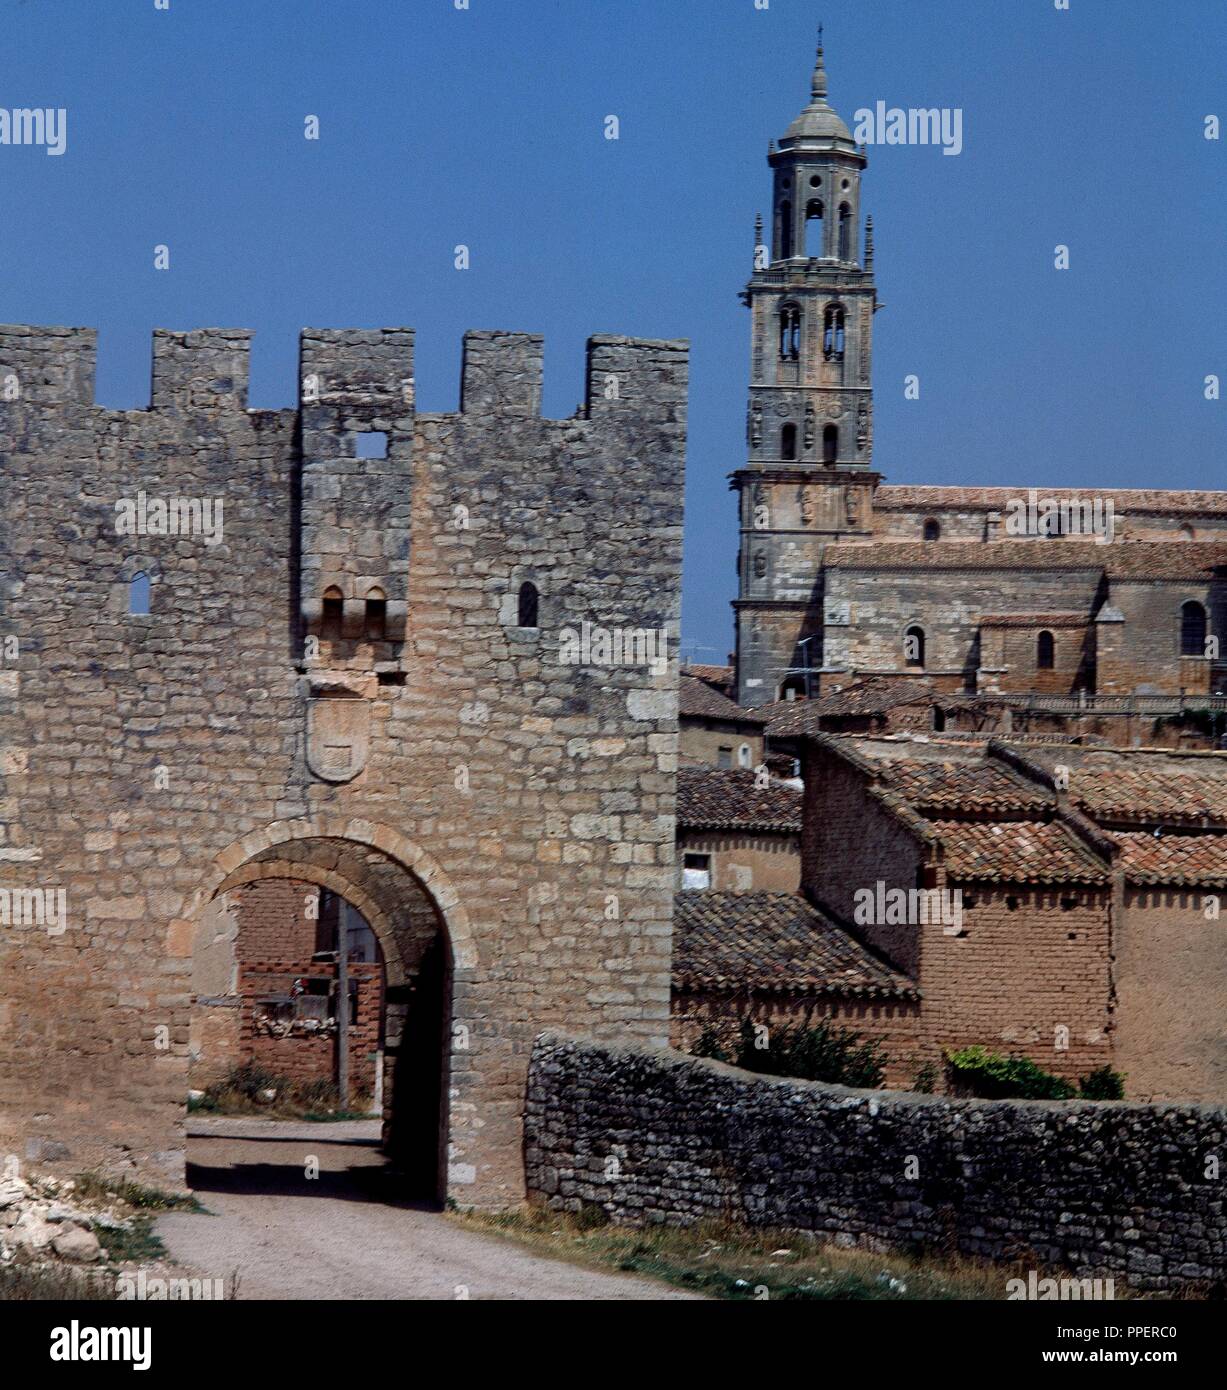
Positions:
{"x": 44, "y": 1220}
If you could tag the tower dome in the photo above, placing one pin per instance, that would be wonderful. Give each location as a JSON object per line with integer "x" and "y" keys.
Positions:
{"x": 819, "y": 125}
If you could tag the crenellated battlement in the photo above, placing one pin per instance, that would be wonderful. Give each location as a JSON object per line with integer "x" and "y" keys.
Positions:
{"x": 347, "y": 463}
{"x": 205, "y": 369}
{"x": 365, "y": 373}
{"x": 47, "y": 366}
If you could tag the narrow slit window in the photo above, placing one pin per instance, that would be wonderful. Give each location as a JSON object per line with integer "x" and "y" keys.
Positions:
{"x": 1045, "y": 651}
{"x": 139, "y": 595}
{"x": 788, "y": 443}
{"x": 529, "y": 604}
{"x": 830, "y": 443}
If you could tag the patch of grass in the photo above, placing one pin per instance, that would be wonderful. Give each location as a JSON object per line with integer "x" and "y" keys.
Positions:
{"x": 97, "y": 1187}
{"x": 238, "y": 1093}
{"x": 135, "y": 1242}
{"x": 737, "y": 1263}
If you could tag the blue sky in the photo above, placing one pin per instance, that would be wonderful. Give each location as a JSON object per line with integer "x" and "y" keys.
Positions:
{"x": 485, "y": 126}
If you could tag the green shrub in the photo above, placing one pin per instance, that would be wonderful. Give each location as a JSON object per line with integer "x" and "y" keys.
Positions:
{"x": 991, "y": 1076}
{"x": 837, "y": 1056}
{"x": 1102, "y": 1084}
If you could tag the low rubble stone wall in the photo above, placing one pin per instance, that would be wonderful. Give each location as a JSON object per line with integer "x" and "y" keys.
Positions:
{"x": 1098, "y": 1188}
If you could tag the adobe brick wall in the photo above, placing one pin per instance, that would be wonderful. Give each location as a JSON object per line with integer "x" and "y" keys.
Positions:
{"x": 273, "y": 921}
{"x": 745, "y": 861}
{"x": 1171, "y": 983}
{"x": 145, "y": 759}
{"x": 701, "y": 740}
{"x": 274, "y": 945}
{"x": 1030, "y": 972}
{"x": 305, "y": 1057}
{"x": 1103, "y": 1189}
{"x": 1035, "y": 978}
{"x": 849, "y": 841}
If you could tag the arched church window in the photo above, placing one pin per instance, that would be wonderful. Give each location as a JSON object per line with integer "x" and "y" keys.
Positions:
{"x": 1192, "y": 629}
{"x": 790, "y": 332}
{"x": 914, "y": 646}
{"x": 845, "y": 232}
{"x": 1045, "y": 651}
{"x": 813, "y": 228}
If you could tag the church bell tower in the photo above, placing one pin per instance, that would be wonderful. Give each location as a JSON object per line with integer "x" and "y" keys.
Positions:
{"x": 809, "y": 478}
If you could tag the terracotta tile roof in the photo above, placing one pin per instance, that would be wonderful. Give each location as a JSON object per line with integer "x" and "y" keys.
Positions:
{"x": 1124, "y": 500}
{"x": 1017, "y": 852}
{"x": 793, "y": 715}
{"x": 699, "y": 700}
{"x": 1054, "y": 619}
{"x": 772, "y": 941}
{"x": 720, "y": 799}
{"x": 994, "y": 807}
{"x": 973, "y": 788}
{"x": 1193, "y": 860}
{"x": 1121, "y": 560}
{"x": 1142, "y": 785}
{"x": 1143, "y": 792}
{"x": 719, "y": 676}
{"x": 871, "y": 696}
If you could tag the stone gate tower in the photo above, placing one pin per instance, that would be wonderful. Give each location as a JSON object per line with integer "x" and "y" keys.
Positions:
{"x": 809, "y": 478}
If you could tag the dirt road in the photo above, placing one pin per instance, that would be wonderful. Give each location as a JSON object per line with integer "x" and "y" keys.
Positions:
{"x": 342, "y": 1234}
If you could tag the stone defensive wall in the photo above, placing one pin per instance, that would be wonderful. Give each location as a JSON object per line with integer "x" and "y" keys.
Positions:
{"x": 339, "y": 682}
{"x": 1097, "y": 1188}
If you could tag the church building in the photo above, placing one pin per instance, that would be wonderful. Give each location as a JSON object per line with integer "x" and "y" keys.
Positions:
{"x": 1109, "y": 595}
